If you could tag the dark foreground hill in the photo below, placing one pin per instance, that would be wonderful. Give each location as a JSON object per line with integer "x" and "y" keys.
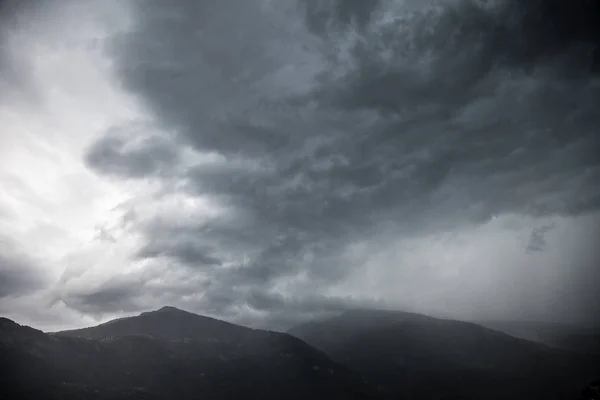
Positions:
{"x": 168, "y": 354}
{"x": 420, "y": 357}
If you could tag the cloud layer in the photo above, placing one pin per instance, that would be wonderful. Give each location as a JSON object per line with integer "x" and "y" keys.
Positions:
{"x": 287, "y": 145}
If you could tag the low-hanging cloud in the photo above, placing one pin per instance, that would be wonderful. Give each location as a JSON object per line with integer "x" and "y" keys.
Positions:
{"x": 537, "y": 242}
{"x": 114, "y": 155}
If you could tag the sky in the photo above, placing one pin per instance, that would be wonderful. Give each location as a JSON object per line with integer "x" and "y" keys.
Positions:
{"x": 269, "y": 162}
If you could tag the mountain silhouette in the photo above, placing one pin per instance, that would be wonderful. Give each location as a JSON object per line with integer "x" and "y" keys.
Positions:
{"x": 168, "y": 354}
{"x": 167, "y": 323}
{"x": 417, "y": 356}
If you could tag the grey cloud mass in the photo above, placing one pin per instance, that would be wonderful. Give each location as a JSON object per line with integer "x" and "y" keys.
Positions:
{"x": 13, "y": 73}
{"x": 19, "y": 274}
{"x": 325, "y": 125}
{"x": 115, "y": 298}
{"x": 346, "y": 119}
{"x": 18, "y": 80}
{"x": 537, "y": 242}
{"x": 187, "y": 252}
{"x": 114, "y": 155}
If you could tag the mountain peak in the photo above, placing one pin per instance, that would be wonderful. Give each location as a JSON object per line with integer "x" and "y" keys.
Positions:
{"x": 169, "y": 309}
{"x": 169, "y": 323}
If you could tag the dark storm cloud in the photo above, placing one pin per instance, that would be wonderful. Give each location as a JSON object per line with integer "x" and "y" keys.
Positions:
{"x": 188, "y": 252}
{"x": 113, "y": 155}
{"x": 549, "y": 27}
{"x": 537, "y": 241}
{"x": 106, "y": 299}
{"x": 15, "y": 75}
{"x": 16, "y": 279}
{"x": 441, "y": 116}
{"x": 321, "y": 15}
{"x": 128, "y": 293}
{"x": 19, "y": 275}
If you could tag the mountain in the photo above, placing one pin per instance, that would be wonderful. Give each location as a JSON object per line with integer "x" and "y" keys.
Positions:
{"x": 168, "y": 354}
{"x": 167, "y": 323}
{"x": 417, "y": 356}
{"x": 563, "y": 336}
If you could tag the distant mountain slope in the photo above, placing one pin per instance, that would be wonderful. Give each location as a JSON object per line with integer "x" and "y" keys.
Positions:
{"x": 580, "y": 339}
{"x": 245, "y": 364}
{"x": 428, "y": 358}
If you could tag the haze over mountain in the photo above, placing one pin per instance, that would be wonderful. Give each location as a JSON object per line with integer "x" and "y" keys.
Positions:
{"x": 585, "y": 339}
{"x": 417, "y": 356}
{"x": 168, "y": 354}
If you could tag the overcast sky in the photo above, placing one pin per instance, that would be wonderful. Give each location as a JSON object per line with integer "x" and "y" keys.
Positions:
{"x": 272, "y": 161}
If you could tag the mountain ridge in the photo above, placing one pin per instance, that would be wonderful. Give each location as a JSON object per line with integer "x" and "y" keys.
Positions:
{"x": 153, "y": 323}
{"x": 415, "y": 355}
{"x": 144, "y": 357}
